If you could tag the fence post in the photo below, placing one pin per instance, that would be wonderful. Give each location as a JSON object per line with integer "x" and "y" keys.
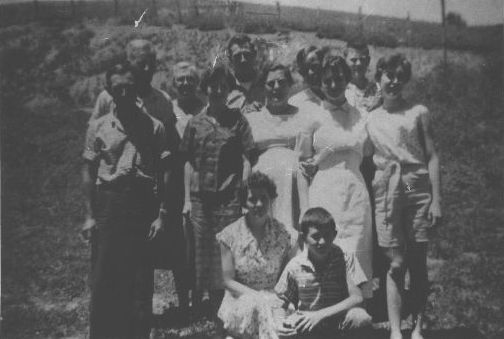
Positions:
{"x": 154, "y": 13}
{"x": 116, "y": 7}
{"x": 360, "y": 22}
{"x": 279, "y": 11}
{"x": 443, "y": 22}
{"x": 179, "y": 11}
{"x": 409, "y": 30}
{"x": 196, "y": 9}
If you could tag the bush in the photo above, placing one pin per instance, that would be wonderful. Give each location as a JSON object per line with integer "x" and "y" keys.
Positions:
{"x": 207, "y": 23}
{"x": 331, "y": 31}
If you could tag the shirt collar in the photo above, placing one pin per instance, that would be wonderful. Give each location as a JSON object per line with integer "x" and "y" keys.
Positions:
{"x": 345, "y": 107}
{"x": 306, "y": 262}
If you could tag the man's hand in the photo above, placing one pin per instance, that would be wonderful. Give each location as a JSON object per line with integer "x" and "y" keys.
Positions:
{"x": 308, "y": 320}
{"x": 157, "y": 226}
{"x": 435, "y": 213}
{"x": 87, "y": 229}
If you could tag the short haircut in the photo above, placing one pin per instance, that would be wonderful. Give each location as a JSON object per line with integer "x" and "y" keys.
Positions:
{"x": 216, "y": 72}
{"x": 301, "y": 57}
{"x": 240, "y": 40}
{"x": 358, "y": 45}
{"x": 257, "y": 180}
{"x": 185, "y": 67}
{"x": 319, "y": 218}
{"x": 391, "y": 63}
{"x": 118, "y": 69}
{"x": 140, "y": 46}
{"x": 333, "y": 59}
{"x": 275, "y": 66}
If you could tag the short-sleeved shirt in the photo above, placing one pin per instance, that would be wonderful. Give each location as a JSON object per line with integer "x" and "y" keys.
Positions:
{"x": 127, "y": 156}
{"x": 215, "y": 149}
{"x": 257, "y": 263}
{"x": 310, "y": 290}
{"x": 397, "y": 136}
{"x": 183, "y": 117}
{"x": 156, "y": 103}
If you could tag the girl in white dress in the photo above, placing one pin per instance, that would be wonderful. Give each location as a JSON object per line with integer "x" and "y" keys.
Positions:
{"x": 336, "y": 145}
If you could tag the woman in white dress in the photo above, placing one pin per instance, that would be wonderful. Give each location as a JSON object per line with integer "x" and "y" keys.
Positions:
{"x": 274, "y": 129}
{"x": 335, "y": 145}
{"x": 309, "y": 61}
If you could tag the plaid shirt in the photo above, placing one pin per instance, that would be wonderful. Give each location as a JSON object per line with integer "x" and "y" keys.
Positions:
{"x": 309, "y": 290}
{"x": 215, "y": 149}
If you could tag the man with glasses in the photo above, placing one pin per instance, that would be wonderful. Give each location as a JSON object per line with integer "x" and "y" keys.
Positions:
{"x": 248, "y": 94}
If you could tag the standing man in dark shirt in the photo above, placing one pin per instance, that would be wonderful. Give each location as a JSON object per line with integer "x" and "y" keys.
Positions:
{"x": 248, "y": 94}
{"x": 125, "y": 150}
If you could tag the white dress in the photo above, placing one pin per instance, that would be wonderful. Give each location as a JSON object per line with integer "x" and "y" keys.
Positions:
{"x": 339, "y": 187}
{"x": 275, "y": 137}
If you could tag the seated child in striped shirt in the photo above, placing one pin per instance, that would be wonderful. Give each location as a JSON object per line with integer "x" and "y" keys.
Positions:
{"x": 315, "y": 284}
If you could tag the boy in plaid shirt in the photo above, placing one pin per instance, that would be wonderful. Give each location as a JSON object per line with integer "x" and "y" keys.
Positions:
{"x": 316, "y": 285}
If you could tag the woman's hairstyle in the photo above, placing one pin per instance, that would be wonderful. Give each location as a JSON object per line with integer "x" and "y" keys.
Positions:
{"x": 333, "y": 60}
{"x": 391, "y": 63}
{"x": 241, "y": 40}
{"x": 118, "y": 69}
{"x": 275, "y": 66}
{"x": 214, "y": 73}
{"x": 358, "y": 45}
{"x": 257, "y": 180}
{"x": 319, "y": 218}
{"x": 301, "y": 57}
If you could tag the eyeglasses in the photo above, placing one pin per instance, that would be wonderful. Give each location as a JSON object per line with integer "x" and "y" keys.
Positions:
{"x": 281, "y": 83}
{"x": 186, "y": 78}
{"x": 242, "y": 55}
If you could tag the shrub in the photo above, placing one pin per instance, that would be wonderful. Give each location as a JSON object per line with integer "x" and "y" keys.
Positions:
{"x": 331, "y": 31}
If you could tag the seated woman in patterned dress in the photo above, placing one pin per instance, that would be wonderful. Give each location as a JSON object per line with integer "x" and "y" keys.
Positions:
{"x": 254, "y": 250}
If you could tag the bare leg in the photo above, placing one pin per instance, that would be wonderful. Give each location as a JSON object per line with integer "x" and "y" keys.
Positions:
{"x": 417, "y": 264}
{"x": 395, "y": 285}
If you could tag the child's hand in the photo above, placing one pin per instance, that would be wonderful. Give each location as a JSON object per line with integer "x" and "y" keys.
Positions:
{"x": 435, "y": 213}
{"x": 308, "y": 320}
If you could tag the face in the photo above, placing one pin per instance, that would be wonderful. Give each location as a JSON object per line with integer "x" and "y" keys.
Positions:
{"x": 258, "y": 202}
{"x": 122, "y": 88}
{"x": 319, "y": 242}
{"x": 144, "y": 65}
{"x": 392, "y": 82}
{"x": 277, "y": 88}
{"x": 185, "y": 84}
{"x": 218, "y": 91}
{"x": 314, "y": 69}
{"x": 334, "y": 83}
{"x": 243, "y": 60}
{"x": 358, "y": 62}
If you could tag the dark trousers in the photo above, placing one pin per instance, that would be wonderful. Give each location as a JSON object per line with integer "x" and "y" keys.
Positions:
{"x": 123, "y": 275}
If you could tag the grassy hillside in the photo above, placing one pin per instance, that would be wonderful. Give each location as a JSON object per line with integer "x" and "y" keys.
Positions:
{"x": 213, "y": 15}
{"x": 51, "y": 76}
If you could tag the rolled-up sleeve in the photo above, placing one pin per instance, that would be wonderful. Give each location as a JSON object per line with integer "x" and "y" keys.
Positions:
{"x": 286, "y": 287}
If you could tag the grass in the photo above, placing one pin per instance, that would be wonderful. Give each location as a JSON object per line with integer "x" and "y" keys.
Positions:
{"x": 52, "y": 74}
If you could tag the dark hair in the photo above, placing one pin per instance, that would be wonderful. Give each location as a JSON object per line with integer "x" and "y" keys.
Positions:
{"x": 358, "y": 45}
{"x": 333, "y": 60}
{"x": 118, "y": 69}
{"x": 240, "y": 40}
{"x": 318, "y": 218}
{"x": 301, "y": 59}
{"x": 276, "y": 67}
{"x": 257, "y": 180}
{"x": 212, "y": 74}
{"x": 391, "y": 63}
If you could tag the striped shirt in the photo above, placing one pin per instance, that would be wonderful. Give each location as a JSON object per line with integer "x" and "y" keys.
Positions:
{"x": 309, "y": 290}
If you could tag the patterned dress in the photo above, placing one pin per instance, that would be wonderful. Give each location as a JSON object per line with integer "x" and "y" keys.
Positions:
{"x": 275, "y": 137}
{"x": 339, "y": 187}
{"x": 258, "y": 266}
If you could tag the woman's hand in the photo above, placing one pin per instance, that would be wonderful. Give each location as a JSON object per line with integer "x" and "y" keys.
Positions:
{"x": 308, "y": 168}
{"x": 87, "y": 229}
{"x": 435, "y": 215}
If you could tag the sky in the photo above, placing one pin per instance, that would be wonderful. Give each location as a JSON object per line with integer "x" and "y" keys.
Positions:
{"x": 475, "y": 12}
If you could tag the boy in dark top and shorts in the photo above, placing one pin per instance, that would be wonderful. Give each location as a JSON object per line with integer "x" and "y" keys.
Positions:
{"x": 316, "y": 285}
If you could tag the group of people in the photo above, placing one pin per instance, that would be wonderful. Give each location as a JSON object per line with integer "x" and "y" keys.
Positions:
{"x": 286, "y": 199}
